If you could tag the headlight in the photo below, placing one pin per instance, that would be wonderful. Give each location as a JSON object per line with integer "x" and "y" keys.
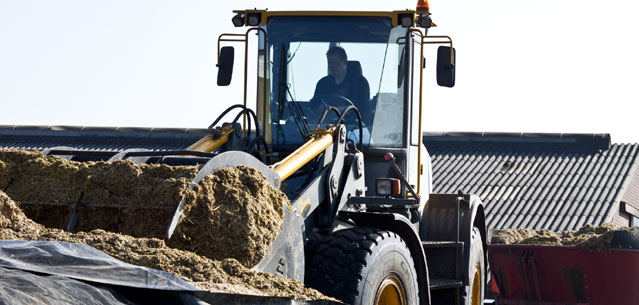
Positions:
{"x": 387, "y": 187}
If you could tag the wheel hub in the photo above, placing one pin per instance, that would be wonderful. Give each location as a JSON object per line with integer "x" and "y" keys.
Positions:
{"x": 476, "y": 288}
{"x": 390, "y": 292}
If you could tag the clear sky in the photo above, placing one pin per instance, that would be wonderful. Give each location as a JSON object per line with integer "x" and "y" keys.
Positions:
{"x": 562, "y": 66}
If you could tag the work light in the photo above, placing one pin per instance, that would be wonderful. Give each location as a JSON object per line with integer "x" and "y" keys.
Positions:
{"x": 424, "y": 21}
{"x": 238, "y": 20}
{"x": 253, "y": 19}
{"x": 406, "y": 20}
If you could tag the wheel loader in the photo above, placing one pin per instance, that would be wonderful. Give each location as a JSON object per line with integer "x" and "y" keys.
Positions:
{"x": 357, "y": 171}
{"x": 363, "y": 226}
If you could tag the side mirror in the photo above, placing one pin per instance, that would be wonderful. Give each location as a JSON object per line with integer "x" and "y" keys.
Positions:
{"x": 225, "y": 66}
{"x": 445, "y": 70}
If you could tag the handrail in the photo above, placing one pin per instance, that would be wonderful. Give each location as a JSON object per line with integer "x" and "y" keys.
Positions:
{"x": 421, "y": 80}
{"x": 245, "y": 41}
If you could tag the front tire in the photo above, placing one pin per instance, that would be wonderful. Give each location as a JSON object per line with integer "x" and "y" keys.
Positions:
{"x": 363, "y": 266}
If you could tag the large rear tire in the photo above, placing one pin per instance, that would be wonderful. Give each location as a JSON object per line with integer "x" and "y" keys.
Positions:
{"x": 476, "y": 268}
{"x": 364, "y": 266}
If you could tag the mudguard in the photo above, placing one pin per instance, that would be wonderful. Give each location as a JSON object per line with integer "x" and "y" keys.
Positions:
{"x": 440, "y": 217}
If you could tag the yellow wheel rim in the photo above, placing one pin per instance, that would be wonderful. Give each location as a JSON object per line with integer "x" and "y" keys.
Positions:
{"x": 390, "y": 292}
{"x": 476, "y": 288}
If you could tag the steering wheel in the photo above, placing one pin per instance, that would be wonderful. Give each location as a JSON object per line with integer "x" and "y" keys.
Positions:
{"x": 338, "y": 101}
{"x": 318, "y": 106}
{"x": 341, "y": 103}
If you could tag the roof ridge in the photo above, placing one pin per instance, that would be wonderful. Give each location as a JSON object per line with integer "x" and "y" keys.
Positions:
{"x": 504, "y": 141}
{"x": 102, "y": 131}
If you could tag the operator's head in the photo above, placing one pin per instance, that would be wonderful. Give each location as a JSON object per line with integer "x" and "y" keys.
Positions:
{"x": 336, "y": 57}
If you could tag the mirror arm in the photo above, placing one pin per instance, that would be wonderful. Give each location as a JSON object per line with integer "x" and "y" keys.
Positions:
{"x": 448, "y": 41}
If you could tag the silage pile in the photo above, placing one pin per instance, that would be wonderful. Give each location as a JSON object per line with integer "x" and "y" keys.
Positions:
{"x": 121, "y": 189}
{"x": 588, "y": 237}
{"x": 226, "y": 275}
{"x": 229, "y": 221}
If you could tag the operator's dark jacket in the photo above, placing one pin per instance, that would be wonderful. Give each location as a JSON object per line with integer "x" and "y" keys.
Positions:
{"x": 354, "y": 87}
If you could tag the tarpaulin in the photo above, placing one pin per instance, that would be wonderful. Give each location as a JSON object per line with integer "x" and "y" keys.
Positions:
{"x": 82, "y": 262}
{"x": 61, "y": 273}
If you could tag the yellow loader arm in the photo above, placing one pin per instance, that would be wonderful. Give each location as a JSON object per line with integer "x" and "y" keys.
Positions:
{"x": 213, "y": 141}
{"x": 319, "y": 141}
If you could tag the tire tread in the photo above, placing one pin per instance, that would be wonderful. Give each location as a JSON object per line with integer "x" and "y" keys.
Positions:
{"x": 336, "y": 266}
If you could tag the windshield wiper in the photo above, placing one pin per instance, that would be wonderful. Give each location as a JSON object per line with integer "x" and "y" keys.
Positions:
{"x": 298, "y": 114}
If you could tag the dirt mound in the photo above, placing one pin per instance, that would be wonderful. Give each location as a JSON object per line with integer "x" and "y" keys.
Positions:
{"x": 234, "y": 213}
{"x": 588, "y": 237}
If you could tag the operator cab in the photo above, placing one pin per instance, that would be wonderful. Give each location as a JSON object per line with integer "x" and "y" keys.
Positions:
{"x": 382, "y": 58}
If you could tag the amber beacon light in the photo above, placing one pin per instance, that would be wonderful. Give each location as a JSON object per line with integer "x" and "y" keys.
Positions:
{"x": 422, "y": 6}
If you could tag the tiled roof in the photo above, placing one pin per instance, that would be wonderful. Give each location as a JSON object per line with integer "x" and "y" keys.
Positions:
{"x": 551, "y": 181}
{"x": 98, "y": 138}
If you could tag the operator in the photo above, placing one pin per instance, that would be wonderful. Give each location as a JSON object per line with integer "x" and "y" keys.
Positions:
{"x": 342, "y": 83}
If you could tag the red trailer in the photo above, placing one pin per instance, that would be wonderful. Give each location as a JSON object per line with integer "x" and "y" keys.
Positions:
{"x": 554, "y": 275}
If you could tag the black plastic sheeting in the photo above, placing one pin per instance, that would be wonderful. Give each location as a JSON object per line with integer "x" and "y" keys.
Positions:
{"x": 82, "y": 262}
{"x": 57, "y": 273}
{"x": 19, "y": 287}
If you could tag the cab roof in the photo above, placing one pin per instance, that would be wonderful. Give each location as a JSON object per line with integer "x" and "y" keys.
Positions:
{"x": 264, "y": 15}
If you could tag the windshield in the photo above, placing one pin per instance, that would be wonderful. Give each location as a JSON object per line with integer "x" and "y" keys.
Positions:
{"x": 321, "y": 62}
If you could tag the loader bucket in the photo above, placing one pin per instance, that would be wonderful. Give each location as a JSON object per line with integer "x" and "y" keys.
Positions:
{"x": 145, "y": 194}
